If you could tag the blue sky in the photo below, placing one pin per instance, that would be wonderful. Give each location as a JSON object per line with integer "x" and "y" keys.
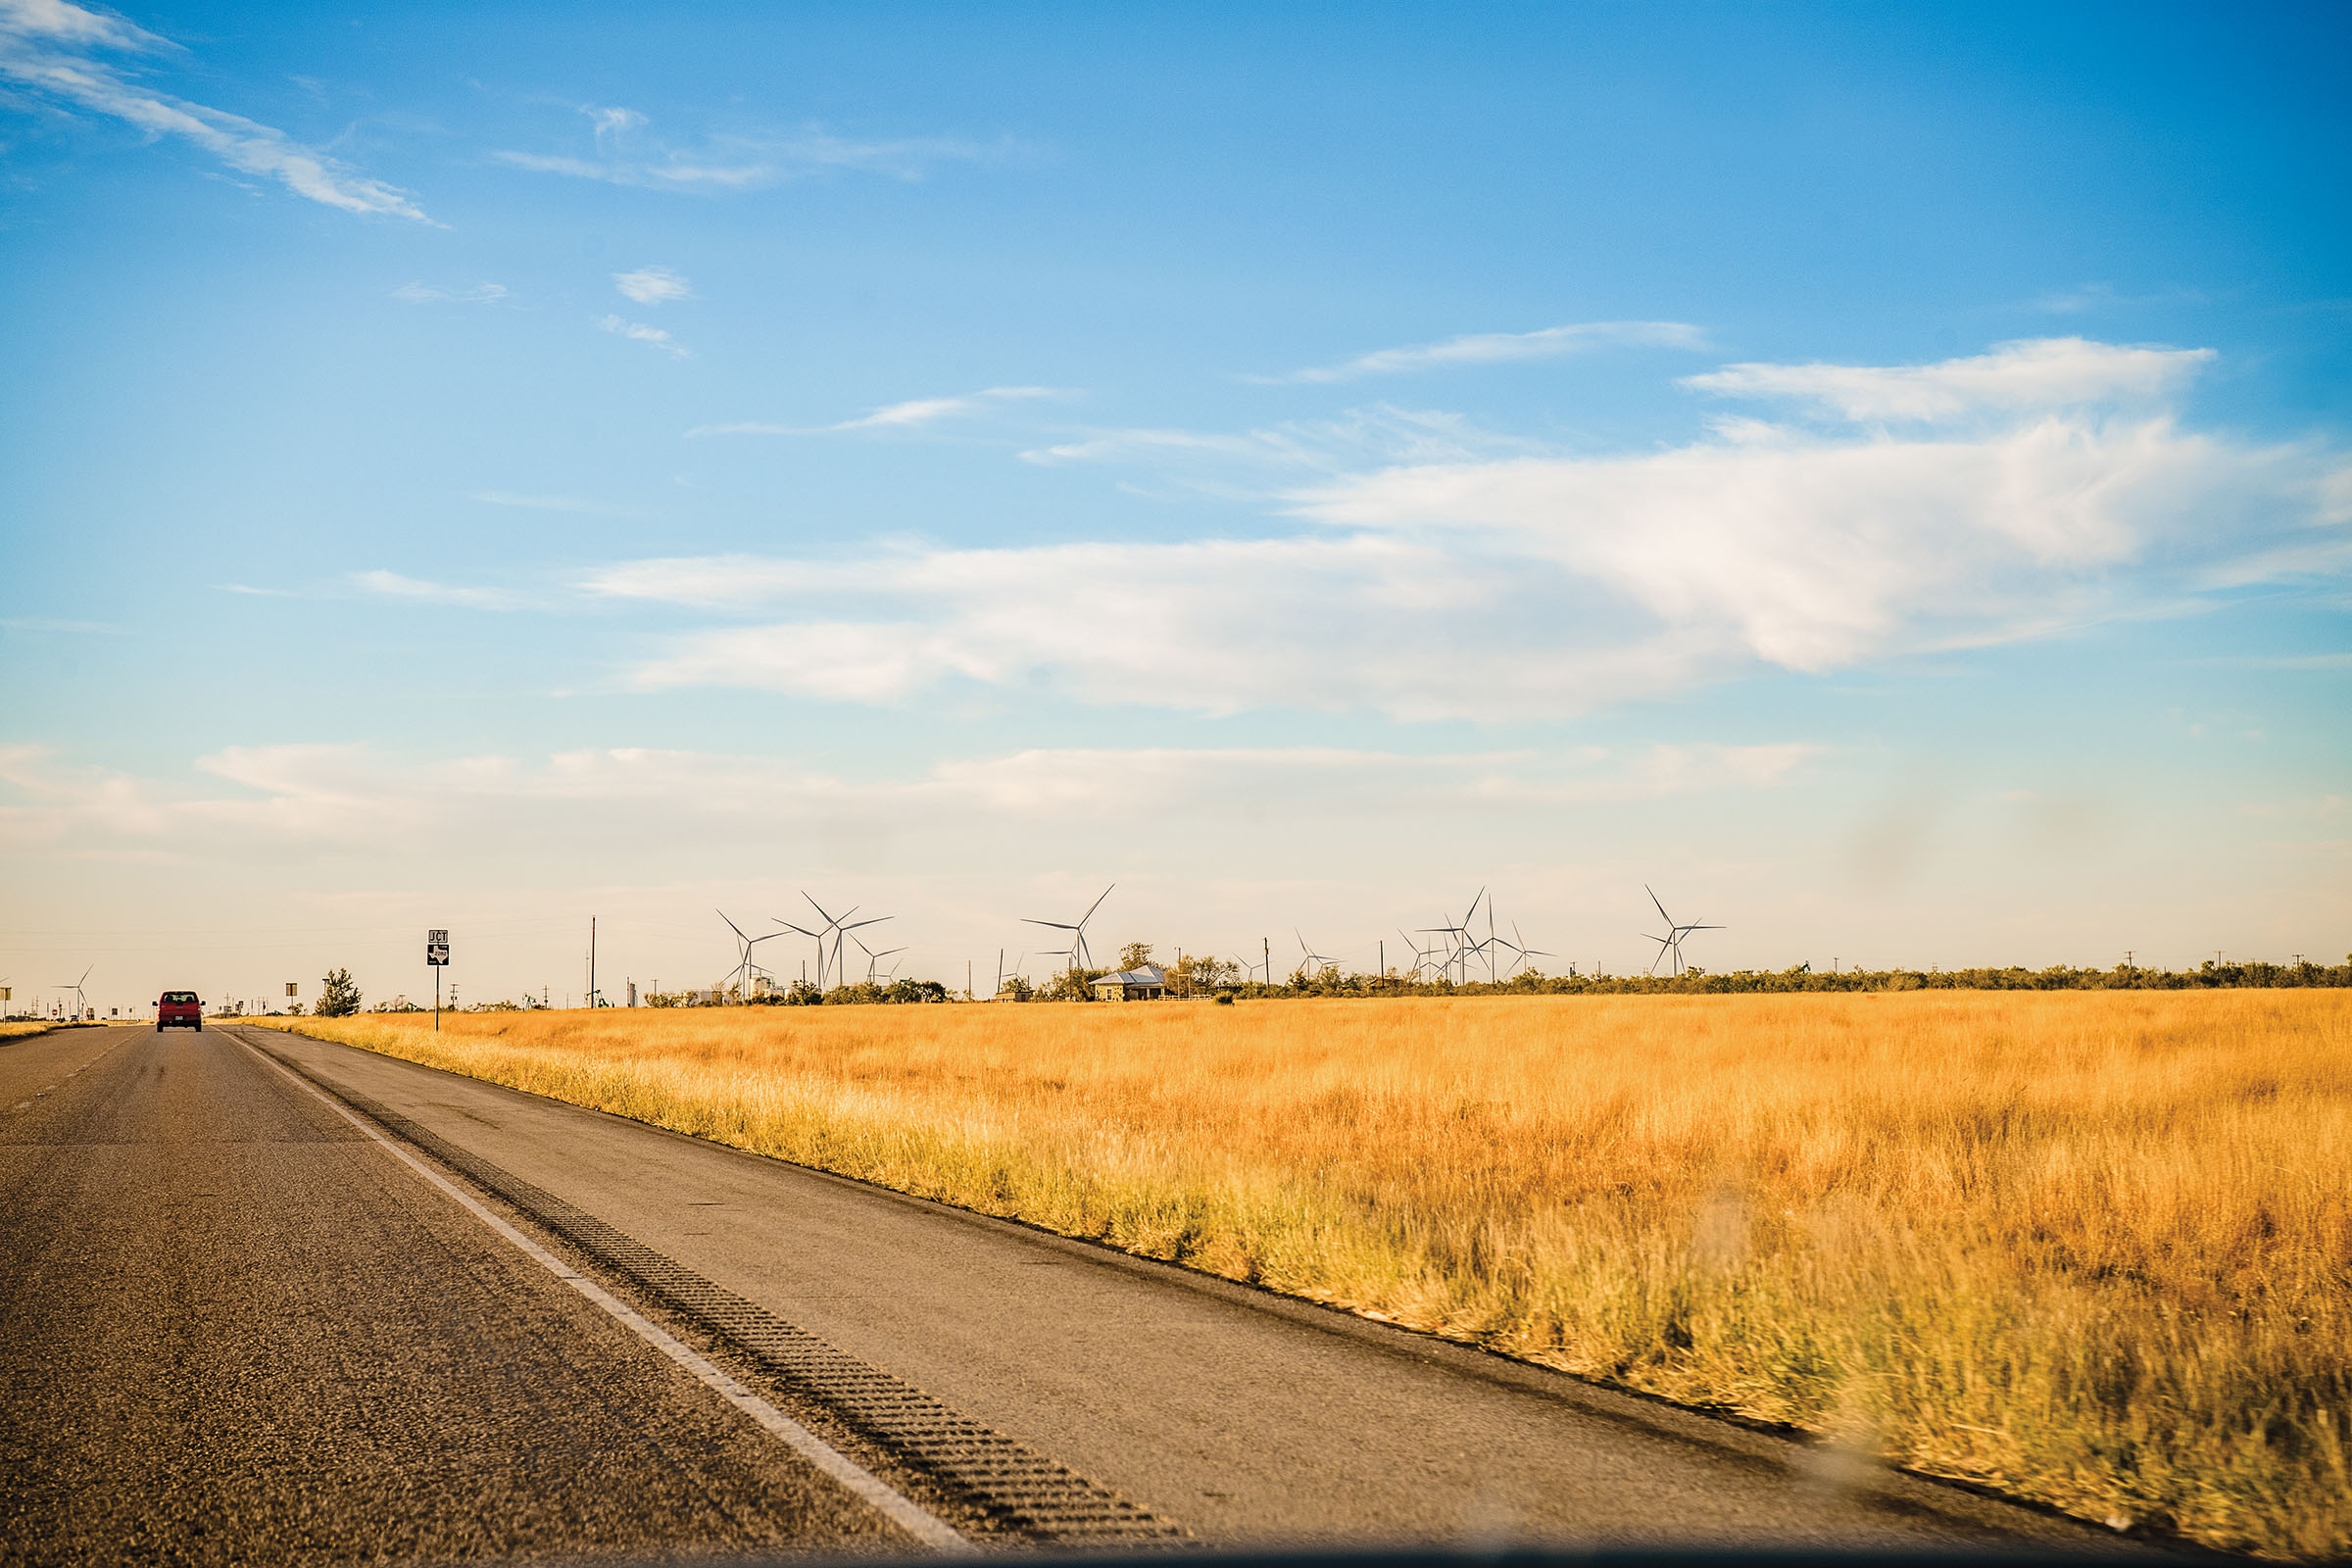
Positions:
{"x": 1879, "y": 477}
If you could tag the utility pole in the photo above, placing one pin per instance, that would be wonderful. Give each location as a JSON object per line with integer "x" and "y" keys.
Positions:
{"x": 592, "y": 961}
{"x": 1265, "y": 954}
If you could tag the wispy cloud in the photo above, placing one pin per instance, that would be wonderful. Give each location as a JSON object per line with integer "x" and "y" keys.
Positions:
{"x": 925, "y": 411}
{"x": 624, "y": 151}
{"x": 426, "y": 294}
{"x": 2086, "y": 298}
{"x": 639, "y": 332}
{"x": 1381, "y": 433}
{"x": 1496, "y": 348}
{"x": 58, "y": 51}
{"x": 651, "y": 286}
{"x": 258, "y": 593}
{"x": 507, "y": 498}
{"x": 392, "y": 585}
{"x": 613, "y": 124}
{"x": 38, "y": 624}
{"x": 2034, "y": 373}
{"x": 910, "y": 415}
{"x": 321, "y": 795}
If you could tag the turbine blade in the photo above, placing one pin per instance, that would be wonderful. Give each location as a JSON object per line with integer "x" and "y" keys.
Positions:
{"x": 1653, "y": 899}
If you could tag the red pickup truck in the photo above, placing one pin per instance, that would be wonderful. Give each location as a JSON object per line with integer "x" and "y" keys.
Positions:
{"x": 177, "y": 1010}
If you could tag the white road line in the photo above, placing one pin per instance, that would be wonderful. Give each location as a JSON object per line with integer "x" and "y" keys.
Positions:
{"x": 901, "y": 1511}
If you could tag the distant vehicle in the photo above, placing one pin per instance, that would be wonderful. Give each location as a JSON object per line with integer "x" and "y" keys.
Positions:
{"x": 175, "y": 1009}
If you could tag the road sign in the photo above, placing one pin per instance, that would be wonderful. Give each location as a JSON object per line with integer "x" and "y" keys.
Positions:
{"x": 436, "y": 948}
{"x": 292, "y": 988}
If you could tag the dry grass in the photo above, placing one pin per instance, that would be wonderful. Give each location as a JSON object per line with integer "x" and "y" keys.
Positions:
{"x": 17, "y": 1031}
{"x": 2094, "y": 1247}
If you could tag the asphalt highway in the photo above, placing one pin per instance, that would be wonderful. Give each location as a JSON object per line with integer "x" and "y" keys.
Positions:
{"x": 276, "y": 1302}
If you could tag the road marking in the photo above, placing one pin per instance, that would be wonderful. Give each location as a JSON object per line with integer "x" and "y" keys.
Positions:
{"x": 925, "y": 1527}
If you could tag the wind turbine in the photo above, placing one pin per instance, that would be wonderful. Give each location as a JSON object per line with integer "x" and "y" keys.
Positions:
{"x": 873, "y": 959}
{"x": 1461, "y": 946}
{"x": 74, "y": 985}
{"x": 836, "y": 926}
{"x": 1315, "y": 962}
{"x": 1080, "y": 956}
{"x": 818, "y": 936}
{"x": 1424, "y": 955}
{"x": 742, "y": 967}
{"x": 1518, "y": 945}
{"x": 1672, "y": 941}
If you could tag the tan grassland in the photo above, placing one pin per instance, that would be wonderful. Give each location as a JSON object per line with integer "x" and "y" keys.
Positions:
{"x": 17, "y": 1031}
{"x": 2091, "y": 1247}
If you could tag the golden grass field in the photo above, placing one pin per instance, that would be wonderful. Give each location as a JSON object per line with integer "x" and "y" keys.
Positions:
{"x": 17, "y": 1031}
{"x": 2090, "y": 1247}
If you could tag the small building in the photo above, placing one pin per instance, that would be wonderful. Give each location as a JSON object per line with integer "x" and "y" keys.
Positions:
{"x": 1145, "y": 983}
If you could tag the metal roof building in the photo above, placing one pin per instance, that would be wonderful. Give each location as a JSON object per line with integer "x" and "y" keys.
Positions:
{"x": 1145, "y": 983}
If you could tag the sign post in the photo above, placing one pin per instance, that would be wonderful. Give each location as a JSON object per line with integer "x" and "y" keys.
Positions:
{"x": 436, "y": 953}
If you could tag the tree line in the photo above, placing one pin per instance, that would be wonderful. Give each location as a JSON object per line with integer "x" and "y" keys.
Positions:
{"x": 1198, "y": 976}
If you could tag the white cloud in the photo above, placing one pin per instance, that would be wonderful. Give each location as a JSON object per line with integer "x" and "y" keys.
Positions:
{"x": 651, "y": 286}
{"x": 1407, "y": 626}
{"x": 639, "y": 332}
{"x": 913, "y": 413}
{"x": 625, "y": 153}
{"x": 2013, "y": 377}
{"x": 423, "y": 294}
{"x": 52, "y": 48}
{"x": 1520, "y": 586}
{"x": 392, "y": 585}
{"x": 1495, "y": 348}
